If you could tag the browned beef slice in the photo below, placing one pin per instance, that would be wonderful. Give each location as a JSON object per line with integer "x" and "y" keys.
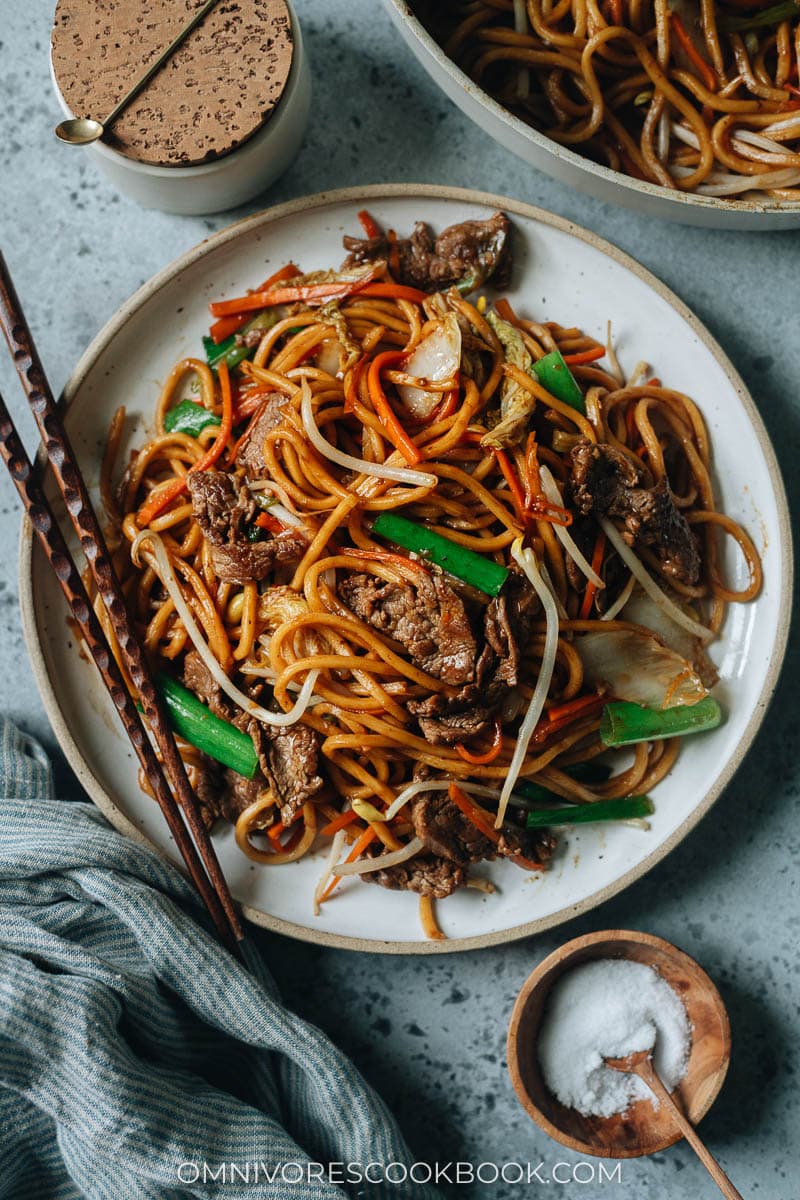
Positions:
{"x": 474, "y": 250}
{"x": 426, "y": 874}
{"x": 198, "y": 679}
{"x": 507, "y": 625}
{"x": 446, "y": 832}
{"x": 526, "y": 846}
{"x": 429, "y": 620}
{"x": 224, "y": 511}
{"x": 289, "y": 758}
{"x": 605, "y": 481}
{"x": 223, "y": 793}
{"x": 250, "y": 455}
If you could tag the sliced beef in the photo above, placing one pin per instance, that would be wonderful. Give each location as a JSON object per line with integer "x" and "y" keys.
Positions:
{"x": 250, "y": 454}
{"x": 289, "y": 758}
{"x": 470, "y": 713}
{"x": 223, "y": 793}
{"x": 446, "y": 832}
{"x": 428, "y": 620}
{"x": 224, "y": 511}
{"x": 198, "y": 679}
{"x": 427, "y": 874}
{"x": 605, "y": 481}
{"x": 528, "y": 848}
{"x": 468, "y": 253}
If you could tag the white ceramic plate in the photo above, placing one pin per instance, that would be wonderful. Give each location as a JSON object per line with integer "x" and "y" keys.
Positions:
{"x": 562, "y": 273}
{"x": 572, "y": 168}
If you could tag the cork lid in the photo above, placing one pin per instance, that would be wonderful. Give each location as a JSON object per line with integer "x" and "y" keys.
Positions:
{"x": 213, "y": 94}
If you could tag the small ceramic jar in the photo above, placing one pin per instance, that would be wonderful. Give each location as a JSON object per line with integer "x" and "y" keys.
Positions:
{"x": 221, "y": 181}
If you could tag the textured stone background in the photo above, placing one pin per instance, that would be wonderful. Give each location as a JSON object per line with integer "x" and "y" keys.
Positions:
{"x": 429, "y": 1033}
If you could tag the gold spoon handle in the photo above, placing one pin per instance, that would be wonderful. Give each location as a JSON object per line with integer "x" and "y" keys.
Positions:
{"x": 159, "y": 62}
{"x": 648, "y": 1074}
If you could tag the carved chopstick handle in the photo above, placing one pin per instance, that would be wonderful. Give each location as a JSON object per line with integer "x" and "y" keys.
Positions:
{"x": 84, "y": 519}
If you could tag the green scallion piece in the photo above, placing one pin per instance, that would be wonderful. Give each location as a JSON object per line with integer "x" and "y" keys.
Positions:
{"x": 554, "y": 375}
{"x": 231, "y": 350}
{"x": 197, "y": 724}
{"x": 478, "y": 571}
{"x": 624, "y": 724}
{"x": 786, "y": 11}
{"x": 189, "y": 417}
{"x": 625, "y": 808}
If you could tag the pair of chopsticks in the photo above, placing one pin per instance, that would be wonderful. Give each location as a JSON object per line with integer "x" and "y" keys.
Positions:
{"x": 180, "y": 809}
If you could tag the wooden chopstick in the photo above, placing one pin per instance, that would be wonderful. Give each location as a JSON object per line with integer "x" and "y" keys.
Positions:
{"x": 212, "y": 886}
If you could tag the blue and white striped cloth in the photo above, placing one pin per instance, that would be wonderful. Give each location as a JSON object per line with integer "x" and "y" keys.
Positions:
{"x": 137, "y": 1059}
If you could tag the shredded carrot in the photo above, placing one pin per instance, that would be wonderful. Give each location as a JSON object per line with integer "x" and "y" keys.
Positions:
{"x": 309, "y": 293}
{"x": 615, "y": 7}
{"x": 368, "y": 223}
{"x": 488, "y": 756}
{"x": 537, "y": 506}
{"x": 591, "y": 588}
{"x": 276, "y": 832}
{"x": 514, "y": 486}
{"x": 160, "y": 497}
{"x": 582, "y": 708}
{"x": 394, "y": 291}
{"x": 654, "y": 382}
{"x": 341, "y": 822}
{"x": 384, "y": 556}
{"x": 367, "y": 837}
{"x": 557, "y": 712}
{"x": 265, "y": 520}
{"x": 585, "y": 356}
{"x": 446, "y": 408}
{"x": 225, "y": 326}
{"x": 384, "y": 409}
{"x": 427, "y": 919}
{"x": 478, "y": 816}
{"x": 708, "y": 74}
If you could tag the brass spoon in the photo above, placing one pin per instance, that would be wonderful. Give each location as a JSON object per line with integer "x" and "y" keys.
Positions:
{"x": 81, "y": 131}
{"x": 641, "y": 1064}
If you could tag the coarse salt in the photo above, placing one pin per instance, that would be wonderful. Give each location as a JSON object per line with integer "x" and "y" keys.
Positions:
{"x": 610, "y": 1009}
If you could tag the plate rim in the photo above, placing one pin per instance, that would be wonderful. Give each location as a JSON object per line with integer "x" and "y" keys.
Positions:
{"x": 402, "y": 12}
{"x": 327, "y": 199}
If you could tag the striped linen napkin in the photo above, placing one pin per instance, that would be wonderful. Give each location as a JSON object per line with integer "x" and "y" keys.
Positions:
{"x": 137, "y": 1058}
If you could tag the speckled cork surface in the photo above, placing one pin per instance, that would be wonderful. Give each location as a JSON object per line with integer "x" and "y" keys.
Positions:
{"x": 214, "y": 93}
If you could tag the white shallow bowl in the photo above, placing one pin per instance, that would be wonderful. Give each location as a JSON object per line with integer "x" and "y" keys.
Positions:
{"x": 563, "y": 273}
{"x": 225, "y": 182}
{"x": 571, "y": 168}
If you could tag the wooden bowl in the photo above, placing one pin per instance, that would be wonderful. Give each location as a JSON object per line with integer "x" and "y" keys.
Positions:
{"x": 643, "y": 1129}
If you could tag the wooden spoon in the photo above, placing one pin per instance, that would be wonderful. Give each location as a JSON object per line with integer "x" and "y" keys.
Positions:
{"x": 641, "y": 1064}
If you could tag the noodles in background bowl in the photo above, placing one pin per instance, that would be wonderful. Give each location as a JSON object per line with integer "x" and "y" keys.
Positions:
{"x": 413, "y": 566}
{"x": 697, "y": 95}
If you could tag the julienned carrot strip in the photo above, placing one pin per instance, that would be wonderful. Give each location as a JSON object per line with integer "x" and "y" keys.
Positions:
{"x": 446, "y": 408}
{"x": 225, "y": 326}
{"x": 160, "y": 497}
{"x": 307, "y": 293}
{"x": 654, "y": 382}
{"x": 265, "y": 520}
{"x": 384, "y": 409}
{"x": 351, "y": 382}
{"x": 591, "y": 588}
{"x": 615, "y": 8}
{"x": 368, "y": 223}
{"x": 394, "y": 291}
{"x": 585, "y": 356}
{"x": 341, "y": 822}
{"x": 708, "y": 74}
{"x": 479, "y": 818}
{"x": 514, "y": 485}
{"x": 367, "y": 837}
{"x": 480, "y": 760}
{"x": 587, "y": 705}
{"x": 557, "y": 712}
